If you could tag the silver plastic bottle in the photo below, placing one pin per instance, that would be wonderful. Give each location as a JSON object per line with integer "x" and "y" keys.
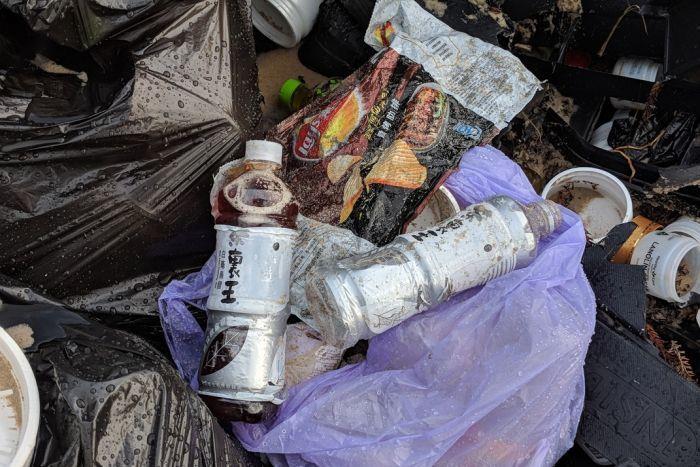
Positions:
{"x": 362, "y": 296}
{"x": 241, "y": 375}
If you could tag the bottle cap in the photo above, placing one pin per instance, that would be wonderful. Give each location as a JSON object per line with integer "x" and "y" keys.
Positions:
{"x": 261, "y": 150}
{"x": 287, "y": 90}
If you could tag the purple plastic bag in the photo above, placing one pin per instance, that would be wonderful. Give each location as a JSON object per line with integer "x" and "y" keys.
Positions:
{"x": 492, "y": 377}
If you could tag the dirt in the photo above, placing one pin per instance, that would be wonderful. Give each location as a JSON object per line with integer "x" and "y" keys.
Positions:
{"x": 576, "y": 198}
{"x": 570, "y": 6}
{"x": 598, "y": 215}
{"x": 526, "y": 141}
{"x": 663, "y": 209}
{"x": 684, "y": 280}
{"x": 274, "y": 68}
{"x": 8, "y": 383}
{"x": 437, "y": 7}
{"x": 22, "y": 334}
{"x": 485, "y": 9}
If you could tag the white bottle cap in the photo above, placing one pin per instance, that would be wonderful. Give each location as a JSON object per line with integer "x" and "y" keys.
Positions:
{"x": 261, "y": 150}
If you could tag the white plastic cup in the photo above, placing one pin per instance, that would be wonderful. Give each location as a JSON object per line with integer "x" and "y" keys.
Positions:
{"x": 285, "y": 22}
{"x": 661, "y": 253}
{"x": 637, "y": 68}
{"x": 440, "y": 206}
{"x": 18, "y": 442}
{"x": 612, "y": 207}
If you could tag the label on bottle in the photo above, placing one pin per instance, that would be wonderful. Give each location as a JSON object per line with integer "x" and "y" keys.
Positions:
{"x": 253, "y": 268}
{"x": 244, "y": 355}
{"x": 469, "y": 249}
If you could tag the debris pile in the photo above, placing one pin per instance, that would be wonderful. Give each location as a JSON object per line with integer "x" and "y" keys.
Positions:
{"x": 438, "y": 232}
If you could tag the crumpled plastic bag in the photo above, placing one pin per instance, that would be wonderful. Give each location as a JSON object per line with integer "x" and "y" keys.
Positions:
{"x": 492, "y": 377}
{"x": 109, "y": 398}
{"x": 113, "y": 116}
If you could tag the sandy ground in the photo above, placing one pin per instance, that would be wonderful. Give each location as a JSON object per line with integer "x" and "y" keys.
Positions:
{"x": 274, "y": 68}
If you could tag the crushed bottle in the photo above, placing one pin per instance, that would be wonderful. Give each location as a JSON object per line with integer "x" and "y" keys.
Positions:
{"x": 242, "y": 370}
{"x": 362, "y": 296}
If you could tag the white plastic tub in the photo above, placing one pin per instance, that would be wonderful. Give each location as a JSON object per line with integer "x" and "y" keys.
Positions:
{"x": 17, "y": 431}
{"x": 662, "y": 254}
{"x": 688, "y": 227}
{"x": 440, "y": 206}
{"x": 598, "y": 197}
{"x": 285, "y": 22}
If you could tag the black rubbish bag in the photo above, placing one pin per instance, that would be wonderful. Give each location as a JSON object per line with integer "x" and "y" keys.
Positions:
{"x": 113, "y": 117}
{"x": 108, "y": 398}
{"x": 661, "y": 139}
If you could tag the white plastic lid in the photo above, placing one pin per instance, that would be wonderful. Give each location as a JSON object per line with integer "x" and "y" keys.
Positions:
{"x": 261, "y": 150}
{"x": 17, "y": 431}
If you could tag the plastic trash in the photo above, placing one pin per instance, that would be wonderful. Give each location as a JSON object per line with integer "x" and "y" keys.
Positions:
{"x": 363, "y": 296}
{"x": 242, "y": 371}
{"x": 599, "y": 197}
{"x": 671, "y": 264}
{"x": 513, "y": 348}
{"x": 107, "y": 179}
{"x": 307, "y": 355}
{"x": 441, "y": 205}
{"x": 368, "y": 155}
{"x": 108, "y": 398}
{"x": 659, "y": 138}
{"x": 642, "y": 226}
{"x": 285, "y": 22}
{"x": 336, "y": 46}
{"x": 315, "y": 244}
{"x": 295, "y": 94}
{"x": 637, "y": 68}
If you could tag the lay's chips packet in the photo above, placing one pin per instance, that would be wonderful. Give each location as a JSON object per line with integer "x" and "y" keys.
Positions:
{"x": 367, "y": 155}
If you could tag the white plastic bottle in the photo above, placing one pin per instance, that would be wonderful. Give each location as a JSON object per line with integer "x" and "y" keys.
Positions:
{"x": 360, "y": 297}
{"x": 285, "y": 22}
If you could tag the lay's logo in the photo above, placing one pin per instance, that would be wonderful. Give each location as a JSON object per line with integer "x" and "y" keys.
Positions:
{"x": 323, "y": 134}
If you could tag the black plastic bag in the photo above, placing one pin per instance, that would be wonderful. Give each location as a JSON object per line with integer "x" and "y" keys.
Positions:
{"x": 336, "y": 45}
{"x": 113, "y": 117}
{"x": 661, "y": 139}
{"x": 108, "y": 398}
